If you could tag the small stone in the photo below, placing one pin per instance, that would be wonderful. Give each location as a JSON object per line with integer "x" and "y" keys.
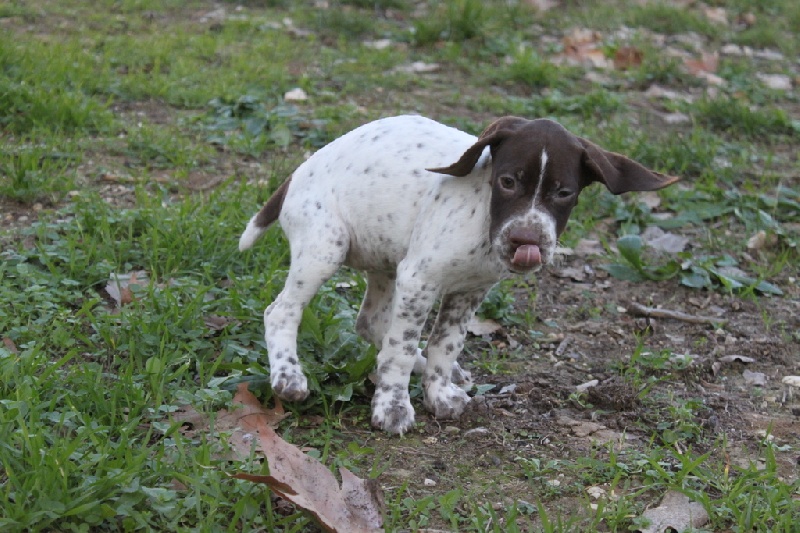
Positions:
{"x": 429, "y": 482}
{"x": 792, "y": 381}
{"x": 757, "y": 379}
{"x": 588, "y": 385}
{"x": 778, "y": 82}
{"x": 452, "y": 430}
{"x": 596, "y": 492}
{"x": 554, "y": 482}
{"x": 295, "y": 95}
{"x": 380, "y": 44}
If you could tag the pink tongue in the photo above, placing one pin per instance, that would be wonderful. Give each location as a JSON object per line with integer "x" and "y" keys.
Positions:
{"x": 527, "y": 255}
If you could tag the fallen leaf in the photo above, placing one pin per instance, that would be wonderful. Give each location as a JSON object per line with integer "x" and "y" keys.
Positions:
{"x": 479, "y": 327}
{"x": 10, "y": 346}
{"x": 573, "y": 273}
{"x": 746, "y": 19}
{"x": 627, "y": 57}
{"x": 230, "y": 421}
{"x": 676, "y": 513}
{"x": 589, "y": 247}
{"x": 662, "y": 241}
{"x": 215, "y": 322}
{"x": 355, "y": 506}
{"x": 582, "y": 47}
{"x": 716, "y": 14}
{"x": 708, "y": 62}
{"x": 119, "y": 286}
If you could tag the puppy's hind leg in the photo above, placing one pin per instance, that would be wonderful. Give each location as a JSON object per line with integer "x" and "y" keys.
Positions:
{"x": 314, "y": 260}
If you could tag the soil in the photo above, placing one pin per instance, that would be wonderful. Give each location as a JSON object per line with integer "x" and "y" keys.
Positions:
{"x": 587, "y": 334}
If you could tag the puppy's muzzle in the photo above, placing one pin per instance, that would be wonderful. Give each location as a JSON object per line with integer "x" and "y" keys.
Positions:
{"x": 526, "y": 253}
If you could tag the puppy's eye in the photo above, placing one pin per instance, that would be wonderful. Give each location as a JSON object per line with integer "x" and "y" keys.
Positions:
{"x": 564, "y": 194}
{"x": 507, "y": 182}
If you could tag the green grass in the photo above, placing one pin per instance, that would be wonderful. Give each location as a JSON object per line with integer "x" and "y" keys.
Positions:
{"x": 111, "y": 108}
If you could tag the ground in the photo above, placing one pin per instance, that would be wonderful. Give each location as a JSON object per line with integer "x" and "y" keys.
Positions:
{"x": 585, "y": 411}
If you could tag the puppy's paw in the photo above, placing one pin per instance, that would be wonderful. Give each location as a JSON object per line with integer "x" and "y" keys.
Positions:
{"x": 445, "y": 402}
{"x": 391, "y": 410}
{"x": 290, "y": 385}
{"x": 461, "y": 378}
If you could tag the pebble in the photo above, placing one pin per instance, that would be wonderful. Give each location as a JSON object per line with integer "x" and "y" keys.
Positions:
{"x": 295, "y": 95}
{"x": 429, "y": 482}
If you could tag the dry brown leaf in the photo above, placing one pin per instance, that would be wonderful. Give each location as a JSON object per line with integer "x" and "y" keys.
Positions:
{"x": 676, "y": 513}
{"x": 242, "y": 435}
{"x": 118, "y": 286}
{"x": 718, "y": 15}
{"x": 215, "y": 322}
{"x": 627, "y": 57}
{"x": 582, "y": 47}
{"x": 704, "y": 67}
{"x": 10, "y": 346}
{"x": 355, "y": 506}
{"x": 664, "y": 241}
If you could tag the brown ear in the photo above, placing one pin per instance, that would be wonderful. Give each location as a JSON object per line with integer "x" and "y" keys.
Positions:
{"x": 493, "y": 135}
{"x": 620, "y": 174}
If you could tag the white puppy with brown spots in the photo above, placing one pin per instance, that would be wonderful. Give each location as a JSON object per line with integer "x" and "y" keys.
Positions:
{"x": 378, "y": 199}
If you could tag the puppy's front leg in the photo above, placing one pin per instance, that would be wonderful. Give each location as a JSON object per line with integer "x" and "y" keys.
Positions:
{"x": 443, "y": 397}
{"x": 413, "y": 299}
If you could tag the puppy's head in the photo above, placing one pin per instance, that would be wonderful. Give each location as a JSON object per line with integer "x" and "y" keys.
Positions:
{"x": 538, "y": 171}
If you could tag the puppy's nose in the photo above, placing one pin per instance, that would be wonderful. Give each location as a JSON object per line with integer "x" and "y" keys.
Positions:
{"x": 523, "y": 236}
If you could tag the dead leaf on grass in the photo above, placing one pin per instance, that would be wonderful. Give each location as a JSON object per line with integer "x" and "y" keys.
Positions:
{"x": 663, "y": 241}
{"x": 676, "y": 513}
{"x": 119, "y": 286}
{"x": 355, "y": 506}
{"x": 232, "y": 421}
{"x": 582, "y": 47}
{"x": 716, "y": 14}
{"x": 10, "y": 346}
{"x": 627, "y": 57}
{"x": 216, "y": 323}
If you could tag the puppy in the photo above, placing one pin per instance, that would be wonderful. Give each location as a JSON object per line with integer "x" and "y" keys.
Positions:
{"x": 427, "y": 212}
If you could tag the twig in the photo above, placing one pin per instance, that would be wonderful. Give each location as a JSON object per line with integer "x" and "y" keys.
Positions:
{"x": 652, "y": 312}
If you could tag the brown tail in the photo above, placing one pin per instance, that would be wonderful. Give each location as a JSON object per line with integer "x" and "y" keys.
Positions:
{"x": 272, "y": 209}
{"x": 266, "y": 216}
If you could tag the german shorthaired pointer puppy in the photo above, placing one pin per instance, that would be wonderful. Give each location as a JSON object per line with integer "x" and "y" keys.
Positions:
{"x": 380, "y": 200}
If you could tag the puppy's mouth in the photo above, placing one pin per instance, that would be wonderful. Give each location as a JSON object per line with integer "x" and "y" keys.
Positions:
{"x": 524, "y": 249}
{"x": 526, "y": 257}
